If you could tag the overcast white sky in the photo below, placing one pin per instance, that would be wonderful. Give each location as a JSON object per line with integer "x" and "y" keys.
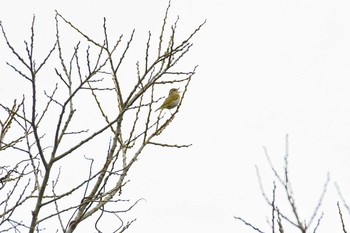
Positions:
{"x": 266, "y": 69}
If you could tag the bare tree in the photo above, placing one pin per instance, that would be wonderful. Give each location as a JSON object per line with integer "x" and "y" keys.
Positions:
{"x": 72, "y": 124}
{"x": 281, "y": 217}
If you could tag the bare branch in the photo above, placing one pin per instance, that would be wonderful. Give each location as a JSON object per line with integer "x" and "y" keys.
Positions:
{"x": 169, "y": 145}
{"x": 248, "y": 224}
{"x": 319, "y": 203}
{"x": 341, "y": 218}
{"x": 342, "y": 198}
{"x": 80, "y": 32}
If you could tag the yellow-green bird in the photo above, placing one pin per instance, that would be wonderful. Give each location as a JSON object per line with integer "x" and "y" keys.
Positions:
{"x": 172, "y": 100}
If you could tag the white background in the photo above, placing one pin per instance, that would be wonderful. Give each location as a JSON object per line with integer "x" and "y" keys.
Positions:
{"x": 266, "y": 69}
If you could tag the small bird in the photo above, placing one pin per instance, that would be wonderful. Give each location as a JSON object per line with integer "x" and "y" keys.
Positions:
{"x": 172, "y": 100}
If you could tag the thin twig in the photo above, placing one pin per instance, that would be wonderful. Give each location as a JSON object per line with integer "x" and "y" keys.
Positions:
{"x": 341, "y": 218}
{"x": 248, "y": 224}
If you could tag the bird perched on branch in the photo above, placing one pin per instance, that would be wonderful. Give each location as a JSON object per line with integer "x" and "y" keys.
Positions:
{"x": 172, "y": 100}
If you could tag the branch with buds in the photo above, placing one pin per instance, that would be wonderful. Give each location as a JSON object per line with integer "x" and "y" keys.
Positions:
{"x": 92, "y": 117}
